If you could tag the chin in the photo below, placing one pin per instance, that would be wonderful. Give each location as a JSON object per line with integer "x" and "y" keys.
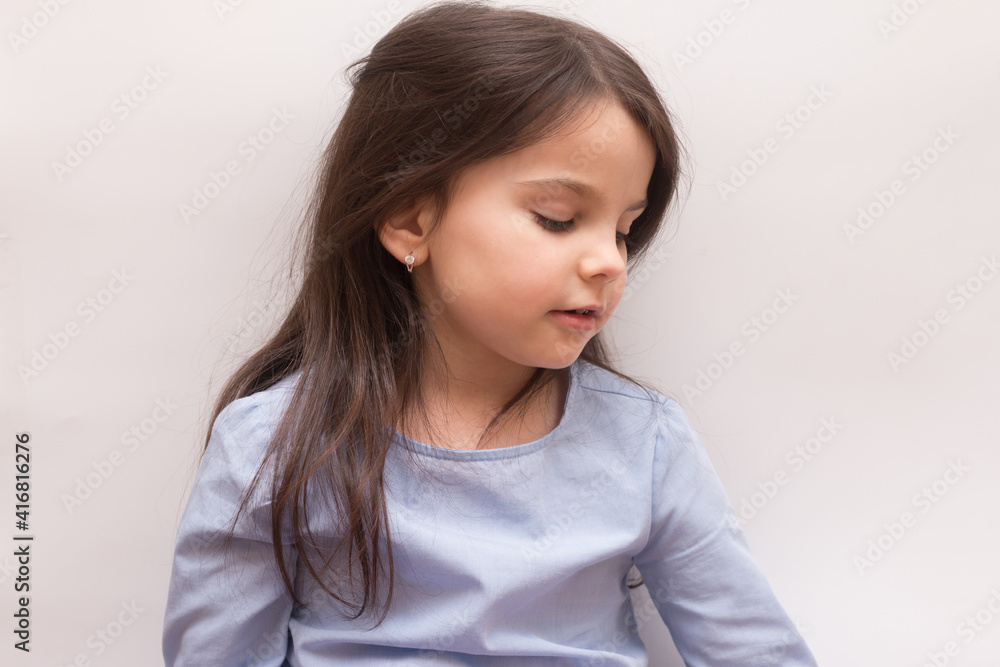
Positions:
{"x": 564, "y": 359}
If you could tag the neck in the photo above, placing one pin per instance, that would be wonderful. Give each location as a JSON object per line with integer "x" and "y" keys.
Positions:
{"x": 459, "y": 407}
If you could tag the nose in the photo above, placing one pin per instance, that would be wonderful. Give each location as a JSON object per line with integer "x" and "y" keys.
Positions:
{"x": 603, "y": 257}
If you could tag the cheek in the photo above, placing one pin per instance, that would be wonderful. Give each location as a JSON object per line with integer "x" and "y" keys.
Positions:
{"x": 537, "y": 278}
{"x": 615, "y": 291}
{"x": 521, "y": 289}
{"x": 525, "y": 265}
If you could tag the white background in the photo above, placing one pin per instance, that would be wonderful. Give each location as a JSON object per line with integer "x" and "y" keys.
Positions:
{"x": 198, "y": 294}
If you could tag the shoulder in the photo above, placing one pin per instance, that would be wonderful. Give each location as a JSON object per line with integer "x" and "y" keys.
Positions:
{"x": 243, "y": 429}
{"x": 601, "y": 389}
{"x": 620, "y": 400}
{"x": 267, "y": 405}
{"x": 596, "y": 380}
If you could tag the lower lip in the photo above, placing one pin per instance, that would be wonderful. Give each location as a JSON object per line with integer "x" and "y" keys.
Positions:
{"x": 574, "y": 321}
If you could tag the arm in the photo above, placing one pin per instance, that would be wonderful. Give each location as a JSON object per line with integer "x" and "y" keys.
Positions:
{"x": 697, "y": 565}
{"x": 227, "y": 607}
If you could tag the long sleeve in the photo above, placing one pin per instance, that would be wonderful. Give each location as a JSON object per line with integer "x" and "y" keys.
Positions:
{"x": 227, "y": 607}
{"x": 698, "y": 567}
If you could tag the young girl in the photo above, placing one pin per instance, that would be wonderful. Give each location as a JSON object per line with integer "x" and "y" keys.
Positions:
{"x": 433, "y": 462}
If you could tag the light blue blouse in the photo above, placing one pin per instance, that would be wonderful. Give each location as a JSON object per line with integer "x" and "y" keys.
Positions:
{"x": 511, "y": 556}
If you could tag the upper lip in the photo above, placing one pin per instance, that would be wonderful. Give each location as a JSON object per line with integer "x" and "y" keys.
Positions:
{"x": 594, "y": 309}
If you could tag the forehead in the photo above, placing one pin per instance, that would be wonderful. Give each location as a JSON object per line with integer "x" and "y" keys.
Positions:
{"x": 603, "y": 147}
{"x": 596, "y": 128}
{"x": 600, "y": 154}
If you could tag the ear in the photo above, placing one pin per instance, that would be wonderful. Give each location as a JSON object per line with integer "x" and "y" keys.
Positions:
{"x": 406, "y": 231}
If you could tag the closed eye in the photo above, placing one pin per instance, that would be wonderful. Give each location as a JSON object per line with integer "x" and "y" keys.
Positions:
{"x": 563, "y": 225}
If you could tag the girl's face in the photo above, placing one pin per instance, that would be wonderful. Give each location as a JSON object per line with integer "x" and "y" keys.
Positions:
{"x": 534, "y": 233}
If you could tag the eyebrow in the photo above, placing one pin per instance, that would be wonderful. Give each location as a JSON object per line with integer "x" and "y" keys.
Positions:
{"x": 583, "y": 189}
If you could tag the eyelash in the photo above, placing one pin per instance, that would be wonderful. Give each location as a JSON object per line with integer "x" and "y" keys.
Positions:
{"x": 553, "y": 225}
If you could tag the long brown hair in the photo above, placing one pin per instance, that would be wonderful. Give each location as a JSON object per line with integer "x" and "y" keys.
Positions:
{"x": 451, "y": 85}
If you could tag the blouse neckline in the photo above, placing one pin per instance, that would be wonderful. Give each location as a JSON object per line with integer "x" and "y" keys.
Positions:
{"x": 502, "y": 452}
